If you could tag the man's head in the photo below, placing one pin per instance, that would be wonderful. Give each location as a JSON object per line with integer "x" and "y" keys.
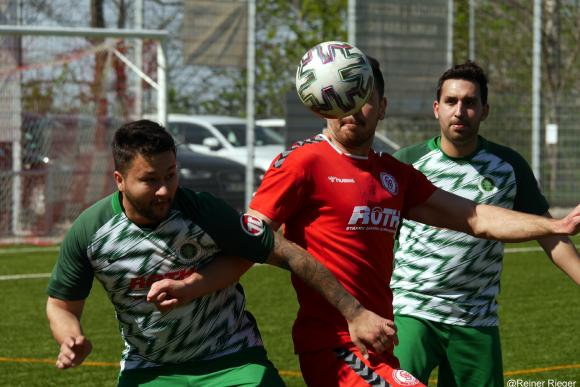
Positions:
{"x": 356, "y": 132}
{"x": 460, "y": 107}
{"x": 145, "y": 171}
{"x": 468, "y": 71}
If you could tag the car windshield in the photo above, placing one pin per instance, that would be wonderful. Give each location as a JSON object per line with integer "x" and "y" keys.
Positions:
{"x": 236, "y": 135}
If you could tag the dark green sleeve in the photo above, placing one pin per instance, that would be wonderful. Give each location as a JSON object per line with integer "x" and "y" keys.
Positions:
{"x": 410, "y": 154}
{"x": 72, "y": 276}
{"x": 528, "y": 198}
{"x": 226, "y": 226}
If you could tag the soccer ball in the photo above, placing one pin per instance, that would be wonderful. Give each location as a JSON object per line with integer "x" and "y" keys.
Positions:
{"x": 334, "y": 79}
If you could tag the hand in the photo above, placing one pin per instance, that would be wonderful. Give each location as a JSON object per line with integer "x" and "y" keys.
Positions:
{"x": 571, "y": 223}
{"x": 168, "y": 294}
{"x": 370, "y": 329}
{"x": 73, "y": 351}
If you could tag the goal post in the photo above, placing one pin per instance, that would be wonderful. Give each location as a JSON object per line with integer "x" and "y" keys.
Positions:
{"x": 63, "y": 91}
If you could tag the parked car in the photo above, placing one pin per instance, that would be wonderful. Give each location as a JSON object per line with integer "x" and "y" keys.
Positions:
{"x": 381, "y": 142}
{"x": 226, "y": 137}
{"x": 275, "y": 124}
{"x": 220, "y": 176}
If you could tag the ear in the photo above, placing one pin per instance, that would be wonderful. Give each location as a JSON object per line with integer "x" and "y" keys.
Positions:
{"x": 119, "y": 180}
{"x": 436, "y": 109}
{"x": 383, "y": 108}
{"x": 485, "y": 112}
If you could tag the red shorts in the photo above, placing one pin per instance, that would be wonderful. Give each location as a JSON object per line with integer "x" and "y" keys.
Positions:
{"x": 347, "y": 368}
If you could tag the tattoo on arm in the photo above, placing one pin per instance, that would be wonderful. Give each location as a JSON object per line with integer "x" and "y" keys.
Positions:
{"x": 292, "y": 257}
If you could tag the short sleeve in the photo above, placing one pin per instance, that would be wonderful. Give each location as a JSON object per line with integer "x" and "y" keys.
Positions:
{"x": 235, "y": 234}
{"x": 528, "y": 198}
{"x": 283, "y": 190}
{"x": 72, "y": 276}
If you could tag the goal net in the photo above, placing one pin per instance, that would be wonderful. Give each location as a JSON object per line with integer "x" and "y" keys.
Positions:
{"x": 61, "y": 98}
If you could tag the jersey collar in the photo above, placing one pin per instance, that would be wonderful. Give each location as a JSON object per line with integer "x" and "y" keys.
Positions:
{"x": 435, "y": 144}
{"x": 340, "y": 151}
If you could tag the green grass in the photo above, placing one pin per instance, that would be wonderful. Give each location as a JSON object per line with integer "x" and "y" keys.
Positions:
{"x": 539, "y": 311}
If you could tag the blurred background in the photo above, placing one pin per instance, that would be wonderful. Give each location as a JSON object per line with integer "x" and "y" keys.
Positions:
{"x": 71, "y": 72}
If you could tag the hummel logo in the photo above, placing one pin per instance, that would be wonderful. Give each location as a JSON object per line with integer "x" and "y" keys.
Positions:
{"x": 334, "y": 179}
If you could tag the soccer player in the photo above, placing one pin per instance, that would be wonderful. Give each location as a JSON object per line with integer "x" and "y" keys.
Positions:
{"x": 151, "y": 229}
{"x": 445, "y": 283}
{"x": 343, "y": 202}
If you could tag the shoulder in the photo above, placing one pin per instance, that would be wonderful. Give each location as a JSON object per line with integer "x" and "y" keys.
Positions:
{"x": 412, "y": 153}
{"x": 303, "y": 151}
{"x": 506, "y": 154}
{"x": 91, "y": 219}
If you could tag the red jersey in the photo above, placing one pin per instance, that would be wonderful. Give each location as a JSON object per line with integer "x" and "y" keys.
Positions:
{"x": 344, "y": 210}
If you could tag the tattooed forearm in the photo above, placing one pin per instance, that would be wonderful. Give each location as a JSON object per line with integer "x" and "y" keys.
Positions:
{"x": 292, "y": 257}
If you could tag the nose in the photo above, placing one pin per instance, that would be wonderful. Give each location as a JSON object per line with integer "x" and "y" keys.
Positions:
{"x": 459, "y": 109}
{"x": 162, "y": 191}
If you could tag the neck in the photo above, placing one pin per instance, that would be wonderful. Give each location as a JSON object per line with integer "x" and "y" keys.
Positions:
{"x": 457, "y": 149}
{"x": 358, "y": 150}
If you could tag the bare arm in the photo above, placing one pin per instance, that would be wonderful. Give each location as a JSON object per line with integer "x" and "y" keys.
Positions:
{"x": 447, "y": 210}
{"x": 365, "y": 327}
{"x": 563, "y": 253}
{"x": 65, "y": 325}
{"x": 218, "y": 274}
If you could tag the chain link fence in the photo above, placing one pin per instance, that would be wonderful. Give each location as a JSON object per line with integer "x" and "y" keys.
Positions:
{"x": 62, "y": 97}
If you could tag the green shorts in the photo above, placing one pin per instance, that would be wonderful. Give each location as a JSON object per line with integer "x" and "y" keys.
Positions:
{"x": 466, "y": 356}
{"x": 249, "y": 367}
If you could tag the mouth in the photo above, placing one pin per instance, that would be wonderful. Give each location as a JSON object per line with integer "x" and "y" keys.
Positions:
{"x": 352, "y": 123}
{"x": 458, "y": 125}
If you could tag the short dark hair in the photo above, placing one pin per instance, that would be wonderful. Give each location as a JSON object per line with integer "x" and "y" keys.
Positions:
{"x": 378, "y": 75}
{"x": 142, "y": 137}
{"x": 469, "y": 71}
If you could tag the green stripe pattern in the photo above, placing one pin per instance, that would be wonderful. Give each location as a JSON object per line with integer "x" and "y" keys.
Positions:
{"x": 447, "y": 276}
{"x": 126, "y": 259}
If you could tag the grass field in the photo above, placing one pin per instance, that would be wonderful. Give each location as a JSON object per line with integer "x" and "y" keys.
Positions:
{"x": 539, "y": 309}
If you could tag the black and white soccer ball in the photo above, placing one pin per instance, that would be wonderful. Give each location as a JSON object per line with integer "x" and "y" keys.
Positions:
{"x": 334, "y": 79}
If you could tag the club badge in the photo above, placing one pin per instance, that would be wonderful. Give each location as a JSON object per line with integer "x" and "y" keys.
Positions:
{"x": 404, "y": 378}
{"x": 390, "y": 184}
{"x": 251, "y": 225}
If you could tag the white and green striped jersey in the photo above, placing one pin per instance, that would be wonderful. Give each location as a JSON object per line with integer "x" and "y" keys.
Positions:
{"x": 126, "y": 259}
{"x": 451, "y": 277}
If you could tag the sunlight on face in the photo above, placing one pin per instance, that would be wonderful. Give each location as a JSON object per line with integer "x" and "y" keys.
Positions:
{"x": 148, "y": 187}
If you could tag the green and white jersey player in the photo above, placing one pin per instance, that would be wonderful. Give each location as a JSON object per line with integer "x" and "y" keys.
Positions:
{"x": 151, "y": 230}
{"x": 445, "y": 283}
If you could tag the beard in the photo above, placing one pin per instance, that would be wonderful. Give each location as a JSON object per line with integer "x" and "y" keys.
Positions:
{"x": 152, "y": 211}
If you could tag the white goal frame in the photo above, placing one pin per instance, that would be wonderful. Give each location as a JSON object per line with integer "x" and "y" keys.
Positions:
{"x": 160, "y": 86}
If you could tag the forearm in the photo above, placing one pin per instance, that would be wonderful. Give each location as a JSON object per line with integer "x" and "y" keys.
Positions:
{"x": 222, "y": 272}
{"x": 563, "y": 253}
{"x": 447, "y": 210}
{"x": 292, "y": 257}
{"x": 498, "y": 223}
{"x": 63, "y": 321}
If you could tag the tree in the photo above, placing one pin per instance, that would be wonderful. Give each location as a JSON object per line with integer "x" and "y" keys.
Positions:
{"x": 284, "y": 31}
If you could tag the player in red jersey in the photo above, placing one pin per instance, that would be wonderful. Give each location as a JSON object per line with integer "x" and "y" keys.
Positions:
{"x": 344, "y": 205}
{"x": 342, "y": 202}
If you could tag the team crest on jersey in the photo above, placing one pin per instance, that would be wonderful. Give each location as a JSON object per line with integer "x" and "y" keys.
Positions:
{"x": 251, "y": 225}
{"x": 390, "y": 183}
{"x": 487, "y": 185}
{"x": 404, "y": 378}
{"x": 188, "y": 251}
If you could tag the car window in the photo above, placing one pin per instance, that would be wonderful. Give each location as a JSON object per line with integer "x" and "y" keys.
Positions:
{"x": 236, "y": 135}
{"x": 187, "y": 133}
